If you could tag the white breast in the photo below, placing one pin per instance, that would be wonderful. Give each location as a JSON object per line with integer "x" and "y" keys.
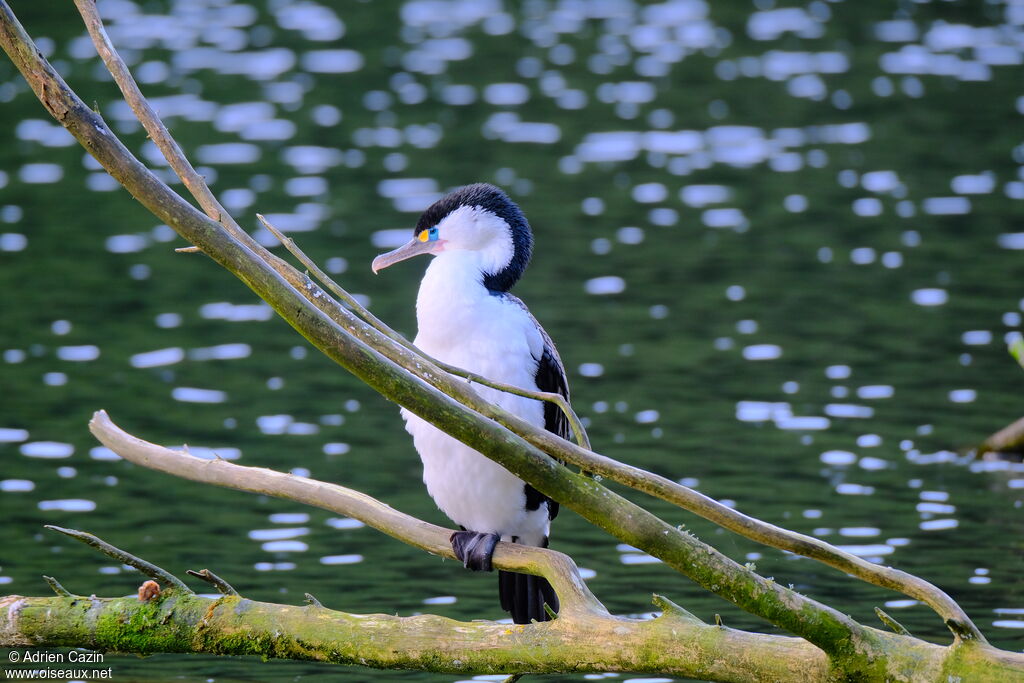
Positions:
{"x": 461, "y": 323}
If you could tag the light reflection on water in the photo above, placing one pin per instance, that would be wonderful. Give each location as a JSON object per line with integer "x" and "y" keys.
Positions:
{"x": 750, "y": 223}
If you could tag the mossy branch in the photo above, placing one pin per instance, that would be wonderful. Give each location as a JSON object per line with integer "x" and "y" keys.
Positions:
{"x": 232, "y": 625}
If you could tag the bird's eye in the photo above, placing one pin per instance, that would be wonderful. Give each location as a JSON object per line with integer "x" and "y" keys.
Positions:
{"x": 432, "y": 234}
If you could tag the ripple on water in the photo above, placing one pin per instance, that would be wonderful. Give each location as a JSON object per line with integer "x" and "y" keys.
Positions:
{"x": 47, "y": 449}
{"x": 277, "y": 534}
{"x": 40, "y": 173}
{"x": 929, "y": 296}
{"x": 938, "y": 524}
{"x": 194, "y": 395}
{"x": 344, "y": 523}
{"x": 848, "y": 410}
{"x": 440, "y": 600}
{"x": 340, "y": 61}
{"x": 869, "y": 551}
{"x": 221, "y": 352}
{"x": 875, "y": 391}
{"x": 872, "y": 464}
{"x": 223, "y": 310}
{"x": 274, "y": 566}
{"x": 68, "y": 505}
{"x": 605, "y": 285}
{"x": 946, "y": 206}
{"x": 1008, "y": 623}
{"x": 859, "y": 531}
{"x": 851, "y": 489}
{"x": 12, "y": 435}
{"x": 1011, "y": 240}
{"x": 13, "y": 241}
{"x": 103, "y": 453}
{"x": 976, "y": 337}
{"x": 341, "y": 559}
{"x": 762, "y": 352}
{"x": 158, "y": 358}
{"x": 285, "y": 547}
{"x": 838, "y": 458}
{"x": 803, "y": 423}
{"x": 16, "y": 485}
{"x": 289, "y": 517}
{"x": 963, "y": 395}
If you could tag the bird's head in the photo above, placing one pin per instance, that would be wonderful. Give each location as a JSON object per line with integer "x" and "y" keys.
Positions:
{"x": 476, "y": 219}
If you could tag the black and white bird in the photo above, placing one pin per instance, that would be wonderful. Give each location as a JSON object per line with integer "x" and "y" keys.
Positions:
{"x": 481, "y": 244}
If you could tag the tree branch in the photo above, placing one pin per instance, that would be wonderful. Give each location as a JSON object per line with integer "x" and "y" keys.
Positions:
{"x": 231, "y": 625}
{"x": 1009, "y": 438}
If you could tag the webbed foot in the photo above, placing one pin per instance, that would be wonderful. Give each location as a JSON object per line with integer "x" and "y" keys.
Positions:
{"x": 474, "y": 549}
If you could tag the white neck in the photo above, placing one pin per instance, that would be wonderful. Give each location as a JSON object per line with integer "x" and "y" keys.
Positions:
{"x": 450, "y": 296}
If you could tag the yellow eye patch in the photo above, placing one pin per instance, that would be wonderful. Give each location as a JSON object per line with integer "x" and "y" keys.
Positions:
{"x": 423, "y": 236}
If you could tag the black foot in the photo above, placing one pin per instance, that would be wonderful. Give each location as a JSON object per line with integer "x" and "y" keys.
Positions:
{"x": 474, "y": 549}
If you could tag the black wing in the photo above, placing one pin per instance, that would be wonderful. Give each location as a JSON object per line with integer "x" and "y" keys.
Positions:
{"x": 550, "y": 378}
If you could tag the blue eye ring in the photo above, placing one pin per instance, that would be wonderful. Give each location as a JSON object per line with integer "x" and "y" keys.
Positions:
{"x": 432, "y": 234}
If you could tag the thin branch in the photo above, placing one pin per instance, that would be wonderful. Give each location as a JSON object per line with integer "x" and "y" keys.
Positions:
{"x": 194, "y": 182}
{"x": 894, "y": 626}
{"x": 222, "y": 586}
{"x": 148, "y": 568}
{"x": 1009, "y": 438}
{"x": 574, "y": 422}
{"x": 57, "y": 588}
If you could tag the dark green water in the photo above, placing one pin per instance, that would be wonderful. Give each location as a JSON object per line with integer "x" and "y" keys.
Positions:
{"x": 813, "y": 213}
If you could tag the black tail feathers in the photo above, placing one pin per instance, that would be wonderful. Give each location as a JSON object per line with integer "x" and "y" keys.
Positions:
{"x": 524, "y": 596}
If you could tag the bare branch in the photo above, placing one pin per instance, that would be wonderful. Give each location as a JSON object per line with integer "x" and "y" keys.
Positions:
{"x": 894, "y": 626}
{"x": 148, "y": 568}
{"x": 1009, "y": 438}
{"x": 220, "y": 584}
{"x": 195, "y": 183}
{"x": 57, "y": 588}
